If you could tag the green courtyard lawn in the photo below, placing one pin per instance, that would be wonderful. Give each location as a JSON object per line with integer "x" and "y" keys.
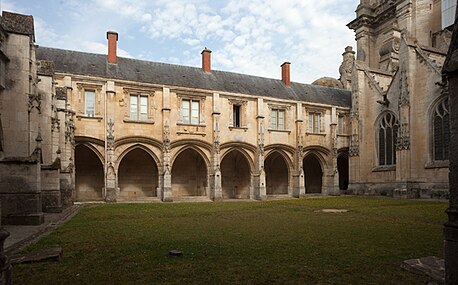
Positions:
{"x": 271, "y": 242}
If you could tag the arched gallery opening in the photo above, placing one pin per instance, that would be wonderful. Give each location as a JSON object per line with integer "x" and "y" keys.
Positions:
{"x": 277, "y": 174}
{"x": 313, "y": 174}
{"x": 137, "y": 175}
{"x": 88, "y": 175}
{"x": 189, "y": 174}
{"x": 342, "y": 168}
{"x": 235, "y": 176}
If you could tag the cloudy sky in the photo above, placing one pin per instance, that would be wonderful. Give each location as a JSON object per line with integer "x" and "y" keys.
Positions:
{"x": 245, "y": 36}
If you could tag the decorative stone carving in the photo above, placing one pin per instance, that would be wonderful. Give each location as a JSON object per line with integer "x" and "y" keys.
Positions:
{"x": 35, "y": 102}
{"x": 70, "y": 129}
{"x": 110, "y": 136}
{"x": 354, "y": 146}
{"x": 55, "y": 123}
{"x": 261, "y": 139}
{"x": 166, "y": 149}
{"x": 346, "y": 67}
{"x": 403, "y": 136}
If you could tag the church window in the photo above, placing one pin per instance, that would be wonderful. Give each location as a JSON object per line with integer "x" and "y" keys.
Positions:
{"x": 441, "y": 131}
{"x": 278, "y": 119}
{"x": 387, "y": 134}
{"x": 138, "y": 107}
{"x": 190, "y": 111}
{"x": 89, "y": 103}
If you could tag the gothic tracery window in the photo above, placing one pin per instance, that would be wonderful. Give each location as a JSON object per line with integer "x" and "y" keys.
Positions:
{"x": 387, "y": 133}
{"x": 441, "y": 131}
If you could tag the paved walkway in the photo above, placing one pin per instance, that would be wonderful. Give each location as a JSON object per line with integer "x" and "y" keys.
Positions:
{"x": 21, "y": 236}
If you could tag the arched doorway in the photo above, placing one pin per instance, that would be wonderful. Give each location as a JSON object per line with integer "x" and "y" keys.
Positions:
{"x": 189, "y": 174}
{"x": 235, "y": 176}
{"x": 88, "y": 175}
{"x": 277, "y": 174}
{"x": 137, "y": 175}
{"x": 313, "y": 174}
{"x": 342, "y": 168}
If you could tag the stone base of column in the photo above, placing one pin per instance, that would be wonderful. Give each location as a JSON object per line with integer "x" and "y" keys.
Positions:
{"x": 167, "y": 195}
{"x": 111, "y": 195}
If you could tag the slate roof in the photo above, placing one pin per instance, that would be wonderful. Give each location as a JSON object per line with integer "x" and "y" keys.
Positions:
{"x": 74, "y": 62}
{"x": 18, "y": 23}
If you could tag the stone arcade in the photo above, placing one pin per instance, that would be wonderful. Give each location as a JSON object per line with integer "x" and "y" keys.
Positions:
{"x": 77, "y": 126}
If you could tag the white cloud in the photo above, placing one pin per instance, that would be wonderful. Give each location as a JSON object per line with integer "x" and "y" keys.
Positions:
{"x": 246, "y": 36}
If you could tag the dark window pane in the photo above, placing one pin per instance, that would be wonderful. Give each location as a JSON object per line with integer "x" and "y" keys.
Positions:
{"x": 236, "y": 116}
{"x": 438, "y": 141}
{"x": 381, "y": 146}
{"x": 389, "y": 146}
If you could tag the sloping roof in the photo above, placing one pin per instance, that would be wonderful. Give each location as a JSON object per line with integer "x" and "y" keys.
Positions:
{"x": 74, "y": 62}
{"x": 18, "y": 24}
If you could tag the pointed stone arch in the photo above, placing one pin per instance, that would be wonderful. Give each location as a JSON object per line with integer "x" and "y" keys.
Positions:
{"x": 89, "y": 173}
{"x": 343, "y": 170}
{"x": 138, "y": 175}
{"x": 190, "y": 173}
{"x": 313, "y": 173}
{"x": 277, "y": 168}
{"x": 236, "y": 175}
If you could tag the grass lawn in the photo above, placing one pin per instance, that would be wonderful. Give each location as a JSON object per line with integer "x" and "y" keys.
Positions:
{"x": 271, "y": 242}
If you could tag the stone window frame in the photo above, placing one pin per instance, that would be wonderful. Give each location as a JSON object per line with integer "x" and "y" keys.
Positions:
{"x": 82, "y": 87}
{"x": 432, "y": 161}
{"x": 342, "y": 117}
{"x": 139, "y": 92}
{"x": 287, "y": 118}
{"x": 243, "y": 113}
{"x": 394, "y": 125}
{"x": 191, "y": 97}
{"x": 311, "y": 130}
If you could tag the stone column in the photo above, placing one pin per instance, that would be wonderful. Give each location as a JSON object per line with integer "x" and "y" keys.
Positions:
{"x": 111, "y": 187}
{"x": 298, "y": 177}
{"x": 166, "y": 193}
{"x": 402, "y": 189}
{"x": 216, "y": 189}
{"x": 260, "y": 176}
{"x": 451, "y": 226}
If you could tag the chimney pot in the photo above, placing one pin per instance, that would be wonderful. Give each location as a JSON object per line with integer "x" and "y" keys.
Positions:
{"x": 285, "y": 73}
{"x": 206, "y": 60}
{"x": 112, "y": 45}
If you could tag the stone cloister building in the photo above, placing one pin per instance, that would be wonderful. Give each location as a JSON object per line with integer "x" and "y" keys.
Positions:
{"x": 146, "y": 130}
{"x": 76, "y": 126}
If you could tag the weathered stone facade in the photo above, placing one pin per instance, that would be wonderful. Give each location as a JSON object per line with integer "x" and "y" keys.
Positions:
{"x": 77, "y": 126}
{"x": 31, "y": 172}
{"x": 153, "y": 131}
{"x": 399, "y": 113}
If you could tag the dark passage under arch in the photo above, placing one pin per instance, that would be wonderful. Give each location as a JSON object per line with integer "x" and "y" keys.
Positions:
{"x": 137, "y": 175}
{"x": 189, "y": 174}
{"x": 235, "y": 176}
{"x": 276, "y": 171}
{"x": 88, "y": 175}
{"x": 313, "y": 174}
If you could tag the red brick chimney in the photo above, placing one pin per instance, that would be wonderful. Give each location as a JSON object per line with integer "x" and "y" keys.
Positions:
{"x": 285, "y": 74}
{"x": 112, "y": 39}
{"x": 206, "y": 60}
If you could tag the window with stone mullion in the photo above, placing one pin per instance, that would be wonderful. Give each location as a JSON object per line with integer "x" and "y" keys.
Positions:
{"x": 387, "y": 136}
{"x": 441, "y": 131}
